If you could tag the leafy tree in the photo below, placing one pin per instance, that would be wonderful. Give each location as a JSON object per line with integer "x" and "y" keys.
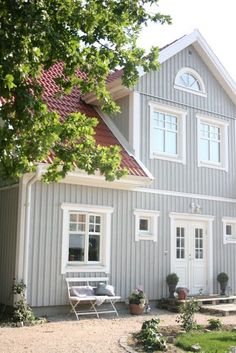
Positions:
{"x": 92, "y": 36}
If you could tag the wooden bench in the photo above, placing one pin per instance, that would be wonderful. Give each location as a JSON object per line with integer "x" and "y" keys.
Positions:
{"x": 95, "y": 301}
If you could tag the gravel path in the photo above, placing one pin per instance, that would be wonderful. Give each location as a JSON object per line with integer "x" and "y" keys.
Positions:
{"x": 84, "y": 336}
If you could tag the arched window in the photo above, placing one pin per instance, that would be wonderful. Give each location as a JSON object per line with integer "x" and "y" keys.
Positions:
{"x": 189, "y": 80}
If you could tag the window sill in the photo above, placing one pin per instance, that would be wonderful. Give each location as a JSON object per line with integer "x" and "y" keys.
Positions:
{"x": 212, "y": 166}
{"x": 168, "y": 158}
{"x": 229, "y": 240}
{"x": 146, "y": 237}
{"x": 86, "y": 268}
{"x": 188, "y": 90}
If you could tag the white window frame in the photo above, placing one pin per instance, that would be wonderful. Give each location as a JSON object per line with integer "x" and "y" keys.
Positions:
{"x": 226, "y": 238}
{"x": 75, "y": 266}
{"x": 180, "y": 157}
{"x": 152, "y": 232}
{"x": 223, "y": 126}
{"x": 189, "y": 70}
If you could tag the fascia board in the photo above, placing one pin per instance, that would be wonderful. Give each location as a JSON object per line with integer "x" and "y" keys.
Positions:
{"x": 206, "y": 53}
{"x": 177, "y": 46}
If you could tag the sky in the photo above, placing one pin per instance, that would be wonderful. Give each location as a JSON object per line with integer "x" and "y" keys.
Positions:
{"x": 215, "y": 19}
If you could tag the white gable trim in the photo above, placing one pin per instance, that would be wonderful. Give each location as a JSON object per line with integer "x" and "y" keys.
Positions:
{"x": 201, "y": 46}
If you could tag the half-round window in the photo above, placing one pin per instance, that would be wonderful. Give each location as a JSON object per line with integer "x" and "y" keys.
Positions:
{"x": 189, "y": 80}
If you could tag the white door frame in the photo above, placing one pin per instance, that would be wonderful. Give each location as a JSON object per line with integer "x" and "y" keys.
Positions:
{"x": 174, "y": 216}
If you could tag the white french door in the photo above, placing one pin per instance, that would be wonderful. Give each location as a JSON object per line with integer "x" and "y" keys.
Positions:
{"x": 189, "y": 257}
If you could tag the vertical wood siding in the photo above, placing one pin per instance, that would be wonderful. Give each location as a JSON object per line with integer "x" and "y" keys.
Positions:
{"x": 121, "y": 120}
{"x": 132, "y": 263}
{"x": 159, "y": 87}
{"x": 8, "y": 229}
{"x": 143, "y": 262}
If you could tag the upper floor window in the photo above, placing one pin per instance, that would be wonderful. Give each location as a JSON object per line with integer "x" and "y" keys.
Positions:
{"x": 212, "y": 141}
{"x": 189, "y": 80}
{"x": 167, "y": 132}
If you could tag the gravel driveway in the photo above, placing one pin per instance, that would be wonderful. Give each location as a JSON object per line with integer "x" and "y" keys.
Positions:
{"x": 66, "y": 335}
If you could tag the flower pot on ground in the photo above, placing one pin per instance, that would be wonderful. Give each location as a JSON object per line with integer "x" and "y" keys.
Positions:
{"x": 137, "y": 301}
{"x": 182, "y": 292}
{"x": 172, "y": 279}
{"x": 223, "y": 279}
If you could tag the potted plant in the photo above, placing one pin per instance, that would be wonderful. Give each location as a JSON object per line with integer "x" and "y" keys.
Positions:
{"x": 182, "y": 292}
{"x": 223, "y": 278}
{"x": 172, "y": 279}
{"x": 137, "y": 301}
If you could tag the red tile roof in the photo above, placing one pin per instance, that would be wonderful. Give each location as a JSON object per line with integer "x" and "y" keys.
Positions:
{"x": 73, "y": 103}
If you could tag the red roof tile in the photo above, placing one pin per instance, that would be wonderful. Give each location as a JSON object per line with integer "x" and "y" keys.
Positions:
{"x": 73, "y": 103}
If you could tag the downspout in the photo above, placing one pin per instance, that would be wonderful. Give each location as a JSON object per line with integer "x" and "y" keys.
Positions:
{"x": 24, "y": 228}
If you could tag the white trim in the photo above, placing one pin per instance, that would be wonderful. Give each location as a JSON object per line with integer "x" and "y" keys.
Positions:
{"x": 201, "y": 46}
{"x": 223, "y": 125}
{"x": 191, "y": 217}
{"x": 125, "y": 183}
{"x": 195, "y": 74}
{"x": 185, "y": 194}
{"x": 116, "y": 132}
{"x": 225, "y": 221}
{"x": 153, "y": 226}
{"x": 134, "y": 122}
{"x": 116, "y": 89}
{"x": 2, "y": 188}
{"x": 181, "y": 133}
{"x": 185, "y": 89}
{"x": 208, "y": 219}
{"x": 104, "y": 266}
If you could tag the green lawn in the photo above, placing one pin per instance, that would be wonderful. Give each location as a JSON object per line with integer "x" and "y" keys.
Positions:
{"x": 210, "y": 342}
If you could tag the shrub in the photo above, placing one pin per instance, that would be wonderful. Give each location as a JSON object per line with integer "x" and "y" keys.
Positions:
{"x": 187, "y": 311}
{"x": 222, "y": 277}
{"x": 172, "y": 278}
{"x": 150, "y": 338}
{"x": 22, "y": 311}
{"x": 214, "y": 324}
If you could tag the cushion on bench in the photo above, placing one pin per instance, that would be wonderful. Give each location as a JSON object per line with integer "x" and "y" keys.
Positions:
{"x": 82, "y": 291}
{"x": 105, "y": 289}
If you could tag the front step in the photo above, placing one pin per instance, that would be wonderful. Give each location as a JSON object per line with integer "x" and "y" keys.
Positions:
{"x": 215, "y": 304}
{"x": 220, "y": 309}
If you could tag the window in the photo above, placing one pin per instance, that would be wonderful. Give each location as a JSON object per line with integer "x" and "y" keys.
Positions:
{"x": 180, "y": 243}
{"x": 167, "y": 133}
{"x": 189, "y": 80}
{"x": 229, "y": 230}
{"x": 145, "y": 224}
{"x": 213, "y": 139}
{"x": 86, "y": 238}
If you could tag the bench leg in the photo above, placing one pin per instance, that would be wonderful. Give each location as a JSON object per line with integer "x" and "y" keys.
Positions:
{"x": 92, "y": 309}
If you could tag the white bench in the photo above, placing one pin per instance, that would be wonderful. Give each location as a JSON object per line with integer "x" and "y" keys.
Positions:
{"x": 95, "y": 301}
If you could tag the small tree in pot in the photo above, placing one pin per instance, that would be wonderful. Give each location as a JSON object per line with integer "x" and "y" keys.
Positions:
{"x": 223, "y": 278}
{"x": 172, "y": 279}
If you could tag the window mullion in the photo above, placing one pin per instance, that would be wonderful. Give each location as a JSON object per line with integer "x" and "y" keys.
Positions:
{"x": 86, "y": 239}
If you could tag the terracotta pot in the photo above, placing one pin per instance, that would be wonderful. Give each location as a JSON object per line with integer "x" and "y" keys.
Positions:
{"x": 135, "y": 309}
{"x": 182, "y": 294}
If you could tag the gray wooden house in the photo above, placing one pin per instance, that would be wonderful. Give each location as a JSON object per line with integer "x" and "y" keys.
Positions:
{"x": 174, "y": 212}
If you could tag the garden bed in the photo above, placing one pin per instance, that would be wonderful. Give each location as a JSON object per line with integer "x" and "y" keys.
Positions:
{"x": 219, "y": 341}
